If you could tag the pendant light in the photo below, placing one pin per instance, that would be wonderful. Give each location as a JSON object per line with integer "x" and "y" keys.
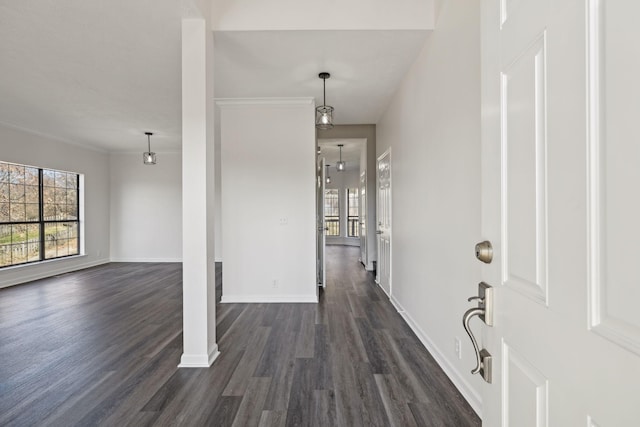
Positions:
{"x": 328, "y": 179}
{"x": 148, "y": 157}
{"x": 324, "y": 113}
{"x": 340, "y": 166}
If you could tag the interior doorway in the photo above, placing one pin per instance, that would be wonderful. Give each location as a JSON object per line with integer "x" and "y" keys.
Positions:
{"x": 341, "y": 209}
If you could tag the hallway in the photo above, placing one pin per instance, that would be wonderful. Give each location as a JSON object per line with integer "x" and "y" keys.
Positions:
{"x": 100, "y": 347}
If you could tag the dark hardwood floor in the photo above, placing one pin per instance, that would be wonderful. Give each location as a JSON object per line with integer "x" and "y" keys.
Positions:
{"x": 100, "y": 347}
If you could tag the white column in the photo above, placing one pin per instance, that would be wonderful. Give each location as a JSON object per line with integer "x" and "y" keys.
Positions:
{"x": 198, "y": 195}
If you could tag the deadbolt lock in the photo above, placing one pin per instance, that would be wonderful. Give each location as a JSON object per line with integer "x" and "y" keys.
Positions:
{"x": 484, "y": 251}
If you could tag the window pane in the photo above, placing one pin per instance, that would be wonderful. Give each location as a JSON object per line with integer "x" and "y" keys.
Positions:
{"x": 31, "y": 176}
{"x": 4, "y": 192}
{"x": 17, "y": 212}
{"x": 5, "y": 255}
{"x": 33, "y": 212}
{"x": 32, "y": 194}
{"x": 62, "y": 212}
{"x": 49, "y": 212}
{"x": 5, "y": 234}
{"x": 72, "y": 212}
{"x": 72, "y": 228}
{"x": 72, "y": 197}
{"x": 48, "y": 178}
{"x": 332, "y": 212}
{"x": 16, "y": 193}
{"x": 4, "y": 172}
{"x": 5, "y": 215}
{"x": 61, "y": 179}
{"x": 61, "y": 195}
{"x": 50, "y": 240}
{"x": 353, "y": 213}
{"x": 72, "y": 180}
{"x": 33, "y": 242}
{"x": 49, "y": 195}
{"x": 16, "y": 174}
{"x": 63, "y": 247}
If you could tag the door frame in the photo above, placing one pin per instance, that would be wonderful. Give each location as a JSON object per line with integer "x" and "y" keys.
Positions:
{"x": 387, "y": 152}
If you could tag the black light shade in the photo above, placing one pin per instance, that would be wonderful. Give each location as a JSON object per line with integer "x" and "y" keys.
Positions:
{"x": 324, "y": 113}
{"x": 148, "y": 157}
{"x": 341, "y": 166}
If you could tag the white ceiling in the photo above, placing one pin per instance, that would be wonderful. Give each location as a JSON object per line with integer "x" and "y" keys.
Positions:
{"x": 101, "y": 73}
{"x": 366, "y": 67}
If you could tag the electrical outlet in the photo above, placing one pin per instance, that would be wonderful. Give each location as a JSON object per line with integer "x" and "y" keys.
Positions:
{"x": 275, "y": 283}
{"x": 458, "y": 348}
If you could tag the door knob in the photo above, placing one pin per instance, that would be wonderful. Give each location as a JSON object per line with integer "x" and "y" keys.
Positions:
{"x": 484, "y": 252}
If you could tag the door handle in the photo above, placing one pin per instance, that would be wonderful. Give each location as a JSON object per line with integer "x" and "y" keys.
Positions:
{"x": 475, "y": 311}
{"x": 378, "y": 231}
{"x": 484, "y": 310}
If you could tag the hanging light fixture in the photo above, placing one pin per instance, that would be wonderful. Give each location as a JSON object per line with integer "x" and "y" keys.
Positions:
{"x": 148, "y": 157}
{"x": 328, "y": 179}
{"x": 324, "y": 113}
{"x": 340, "y": 166}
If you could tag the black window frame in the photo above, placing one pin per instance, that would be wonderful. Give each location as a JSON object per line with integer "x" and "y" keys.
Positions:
{"x": 43, "y": 222}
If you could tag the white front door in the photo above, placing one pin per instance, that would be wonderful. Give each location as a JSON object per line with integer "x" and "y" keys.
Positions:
{"x": 383, "y": 232}
{"x": 363, "y": 218}
{"x": 560, "y": 179}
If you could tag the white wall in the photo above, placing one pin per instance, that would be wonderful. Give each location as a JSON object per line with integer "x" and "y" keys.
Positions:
{"x": 433, "y": 127}
{"x": 268, "y": 201}
{"x": 146, "y": 208}
{"x": 343, "y": 180}
{"x": 19, "y": 146}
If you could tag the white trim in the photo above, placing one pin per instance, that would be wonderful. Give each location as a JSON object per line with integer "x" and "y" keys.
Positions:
{"x": 199, "y": 360}
{"x": 24, "y": 278}
{"x": 472, "y": 397}
{"x": 244, "y": 299}
{"x": 218, "y": 259}
{"x": 237, "y": 102}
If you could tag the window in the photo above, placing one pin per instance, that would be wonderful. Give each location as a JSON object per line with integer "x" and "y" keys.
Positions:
{"x": 353, "y": 213}
{"x": 332, "y": 212}
{"x": 38, "y": 214}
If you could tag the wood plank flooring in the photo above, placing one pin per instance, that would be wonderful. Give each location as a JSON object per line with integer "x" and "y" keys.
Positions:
{"x": 100, "y": 347}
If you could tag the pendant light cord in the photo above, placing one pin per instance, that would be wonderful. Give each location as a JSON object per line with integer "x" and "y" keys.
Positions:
{"x": 324, "y": 91}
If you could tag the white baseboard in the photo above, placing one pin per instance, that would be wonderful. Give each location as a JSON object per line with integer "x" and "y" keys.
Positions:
{"x": 199, "y": 360}
{"x": 19, "y": 274}
{"x": 245, "y": 299}
{"x": 472, "y": 397}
